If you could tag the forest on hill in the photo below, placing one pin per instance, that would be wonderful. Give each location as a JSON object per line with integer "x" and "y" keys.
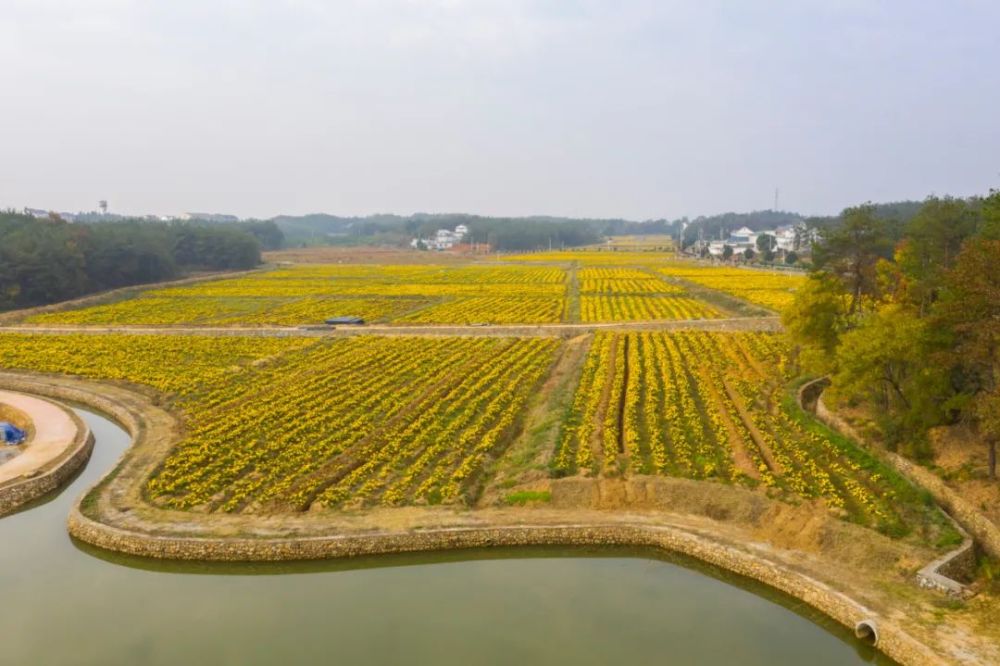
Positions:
{"x": 904, "y": 316}
{"x": 49, "y": 260}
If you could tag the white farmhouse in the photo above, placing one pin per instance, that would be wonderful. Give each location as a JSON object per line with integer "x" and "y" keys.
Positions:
{"x": 444, "y": 239}
{"x": 742, "y": 238}
{"x": 788, "y": 238}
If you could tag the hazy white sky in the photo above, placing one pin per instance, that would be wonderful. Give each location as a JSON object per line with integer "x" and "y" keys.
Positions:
{"x": 506, "y": 107}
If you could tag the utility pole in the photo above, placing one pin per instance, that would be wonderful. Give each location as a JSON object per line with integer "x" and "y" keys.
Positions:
{"x": 775, "y": 200}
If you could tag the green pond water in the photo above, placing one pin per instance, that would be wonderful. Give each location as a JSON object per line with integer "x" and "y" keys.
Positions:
{"x": 63, "y": 602}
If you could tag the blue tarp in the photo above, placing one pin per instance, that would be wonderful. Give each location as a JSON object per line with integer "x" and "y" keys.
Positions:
{"x": 11, "y": 434}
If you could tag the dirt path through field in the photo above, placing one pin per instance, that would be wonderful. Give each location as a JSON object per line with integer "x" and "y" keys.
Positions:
{"x": 741, "y": 458}
{"x": 741, "y": 409}
{"x": 527, "y": 459}
{"x": 521, "y": 330}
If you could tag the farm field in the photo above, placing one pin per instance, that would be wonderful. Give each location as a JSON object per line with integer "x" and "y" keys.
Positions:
{"x": 596, "y": 257}
{"x": 175, "y": 365}
{"x": 285, "y": 424}
{"x": 609, "y": 294}
{"x": 604, "y": 308}
{"x": 643, "y": 243}
{"x": 310, "y": 294}
{"x": 586, "y": 287}
{"x": 769, "y": 289}
{"x": 711, "y": 406}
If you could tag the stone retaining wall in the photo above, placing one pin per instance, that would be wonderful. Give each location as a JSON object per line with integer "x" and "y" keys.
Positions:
{"x": 893, "y": 641}
{"x": 984, "y": 530}
{"x": 986, "y": 533}
{"x": 19, "y": 492}
{"x": 961, "y": 562}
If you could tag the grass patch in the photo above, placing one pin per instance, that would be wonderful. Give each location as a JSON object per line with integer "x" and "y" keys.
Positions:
{"x": 522, "y": 497}
{"x": 949, "y": 539}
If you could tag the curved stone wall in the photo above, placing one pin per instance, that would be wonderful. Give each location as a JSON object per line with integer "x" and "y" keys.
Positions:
{"x": 17, "y": 493}
{"x": 983, "y": 530}
{"x": 893, "y": 641}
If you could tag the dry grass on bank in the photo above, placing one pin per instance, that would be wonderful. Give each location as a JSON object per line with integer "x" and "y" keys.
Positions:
{"x": 962, "y": 459}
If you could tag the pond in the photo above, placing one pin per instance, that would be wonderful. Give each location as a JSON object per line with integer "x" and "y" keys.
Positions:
{"x": 67, "y": 603}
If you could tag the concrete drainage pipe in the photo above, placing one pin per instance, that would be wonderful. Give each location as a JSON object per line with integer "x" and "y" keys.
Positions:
{"x": 867, "y": 632}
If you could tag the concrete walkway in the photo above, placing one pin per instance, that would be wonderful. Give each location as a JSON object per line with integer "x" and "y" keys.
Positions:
{"x": 55, "y": 433}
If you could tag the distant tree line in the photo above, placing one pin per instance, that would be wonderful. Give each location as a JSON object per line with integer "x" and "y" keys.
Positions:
{"x": 505, "y": 234}
{"x": 508, "y": 234}
{"x": 904, "y": 315}
{"x": 48, "y": 260}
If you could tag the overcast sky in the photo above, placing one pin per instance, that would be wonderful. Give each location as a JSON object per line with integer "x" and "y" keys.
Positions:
{"x": 598, "y": 109}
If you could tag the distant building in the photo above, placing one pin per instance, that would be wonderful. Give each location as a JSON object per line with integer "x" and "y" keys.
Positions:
{"x": 716, "y": 248}
{"x": 36, "y": 212}
{"x": 42, "y": 214}
{"x": 742, "y": 238}
{"x": 209, "y": 217}
{"x": 796, "y": 238}
{"x": 788, "y": 238}
{"x": 444, "y": 239}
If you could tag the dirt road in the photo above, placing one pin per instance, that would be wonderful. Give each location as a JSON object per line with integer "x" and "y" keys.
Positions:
{"x": 734, "y": 324}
